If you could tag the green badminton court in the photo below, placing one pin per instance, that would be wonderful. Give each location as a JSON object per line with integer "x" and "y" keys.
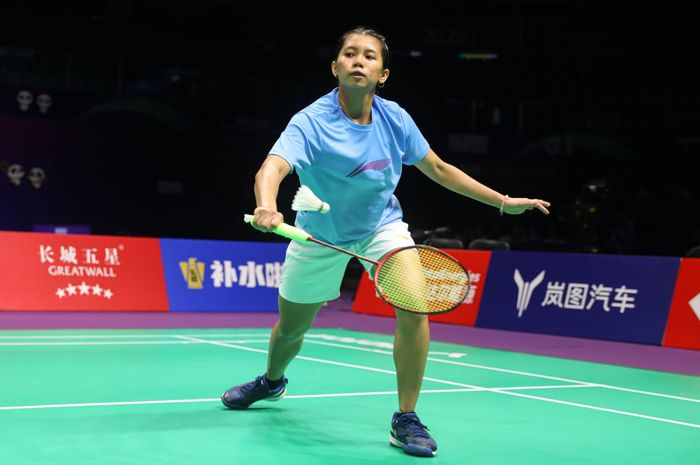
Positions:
{"x": 152, "y": 397}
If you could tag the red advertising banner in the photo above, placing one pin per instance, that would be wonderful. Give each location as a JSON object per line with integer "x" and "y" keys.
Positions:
{"x": 683, "y": 327}
{"x": 77, "y": 272}
{"x": 475, "y": 261}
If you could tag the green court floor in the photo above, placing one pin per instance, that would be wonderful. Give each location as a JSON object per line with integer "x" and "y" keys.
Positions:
{"x": 152, "y": 397}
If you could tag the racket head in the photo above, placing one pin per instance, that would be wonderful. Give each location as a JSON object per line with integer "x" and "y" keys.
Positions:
{"x": 421, "y": 279}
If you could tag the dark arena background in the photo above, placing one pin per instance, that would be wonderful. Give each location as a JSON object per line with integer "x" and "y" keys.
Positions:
{"x": 157, "y": 114}
{"x": 132, "y": 294}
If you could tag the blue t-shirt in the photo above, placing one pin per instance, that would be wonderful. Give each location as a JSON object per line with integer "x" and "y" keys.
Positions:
{"x": 355, "y": 168}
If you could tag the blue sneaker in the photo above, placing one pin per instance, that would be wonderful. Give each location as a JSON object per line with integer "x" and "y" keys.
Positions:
{"x": 241, "y": 396}
{"x": 408, "y": 433}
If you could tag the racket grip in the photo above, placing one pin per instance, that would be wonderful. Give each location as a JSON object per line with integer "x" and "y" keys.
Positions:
{"x": 284, "y": 230}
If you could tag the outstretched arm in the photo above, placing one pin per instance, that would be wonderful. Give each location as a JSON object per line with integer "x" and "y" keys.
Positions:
{"x": 456, "y": 180}
{"x": 267, "y": 182}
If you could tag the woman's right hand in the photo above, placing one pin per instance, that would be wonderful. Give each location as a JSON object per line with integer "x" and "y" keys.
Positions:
{"x": 266, "y": 219}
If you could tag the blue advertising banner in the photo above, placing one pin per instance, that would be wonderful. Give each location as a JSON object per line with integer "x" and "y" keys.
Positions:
{"x": 222, "y": 276}
{"x": 621, "y": 298}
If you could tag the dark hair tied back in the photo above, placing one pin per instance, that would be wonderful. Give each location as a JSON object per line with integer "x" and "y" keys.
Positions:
{"x": 361, "y": 30}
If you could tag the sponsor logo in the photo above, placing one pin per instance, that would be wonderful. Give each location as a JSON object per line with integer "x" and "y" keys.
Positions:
{"x": 525, "y": 289}
{"x": 193, "y": 273}
{"x": 577, "y": 295}
{"x": 226, "y": 274}
{"x": 91, "y": 262}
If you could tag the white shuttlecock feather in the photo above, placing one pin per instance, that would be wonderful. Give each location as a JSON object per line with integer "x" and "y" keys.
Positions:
{"x": 306, "y": 200}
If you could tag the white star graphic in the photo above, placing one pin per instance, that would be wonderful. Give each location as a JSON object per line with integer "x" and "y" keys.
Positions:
{"x": 96, "y": 290}
{"x": 71, "y": 289}
{"x": 60, "y": 293}
{"x": 108, "y": 294}
{"x": 84, "y": 289}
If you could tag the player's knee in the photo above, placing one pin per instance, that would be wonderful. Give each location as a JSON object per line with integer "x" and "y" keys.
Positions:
{"x": 292, "y": 332}
{"x": 411, "y": 319}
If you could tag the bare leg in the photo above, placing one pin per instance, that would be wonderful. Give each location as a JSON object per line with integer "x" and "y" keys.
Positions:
{"x": 288, "y": 335}
{"x": 411, "y": 343}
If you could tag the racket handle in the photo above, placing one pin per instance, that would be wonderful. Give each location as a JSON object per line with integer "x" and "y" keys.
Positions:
{"x": 284, "y": 230}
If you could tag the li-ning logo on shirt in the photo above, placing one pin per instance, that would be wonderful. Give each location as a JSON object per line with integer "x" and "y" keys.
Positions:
{"x": 525, "y": 290}
{"x": 376, "y": 165}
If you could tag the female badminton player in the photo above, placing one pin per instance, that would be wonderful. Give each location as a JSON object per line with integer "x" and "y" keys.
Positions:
{"x": 349, "y": 147}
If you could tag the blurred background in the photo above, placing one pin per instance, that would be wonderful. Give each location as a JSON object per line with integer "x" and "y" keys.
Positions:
{"x": 151, "y": 117}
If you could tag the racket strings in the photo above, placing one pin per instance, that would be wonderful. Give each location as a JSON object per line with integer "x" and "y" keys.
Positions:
{"x": 423, "y": 280}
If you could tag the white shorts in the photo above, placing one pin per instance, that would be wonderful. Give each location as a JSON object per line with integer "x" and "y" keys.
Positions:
{"x": 313, "y": 273}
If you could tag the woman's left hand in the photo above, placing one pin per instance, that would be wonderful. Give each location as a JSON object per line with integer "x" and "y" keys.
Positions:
{"x": 517, "y": 205}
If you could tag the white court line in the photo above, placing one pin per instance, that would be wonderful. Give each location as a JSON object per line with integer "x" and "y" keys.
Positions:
{"x": 495, "y": 390}
{"x": 106, "y": 404}
{"x": 515, "y": 372}
{"x": 311, "y": 341}
{"x": 328, "y": 362}
{"x": 648, "y": 393}
{"x": 127, "y": 336}
{"x": 216, "y": 399}
{"x": 602, "y": 409}
{"x": 451, "y": 362}
{"x": 118, "y": 343}
{"x": 301, "y": 357}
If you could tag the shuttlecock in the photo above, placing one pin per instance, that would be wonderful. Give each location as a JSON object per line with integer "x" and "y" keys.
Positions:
{"x": 306, "y": 200}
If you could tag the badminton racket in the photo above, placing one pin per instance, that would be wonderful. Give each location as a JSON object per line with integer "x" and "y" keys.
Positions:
{"x": 417, "y": 278}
